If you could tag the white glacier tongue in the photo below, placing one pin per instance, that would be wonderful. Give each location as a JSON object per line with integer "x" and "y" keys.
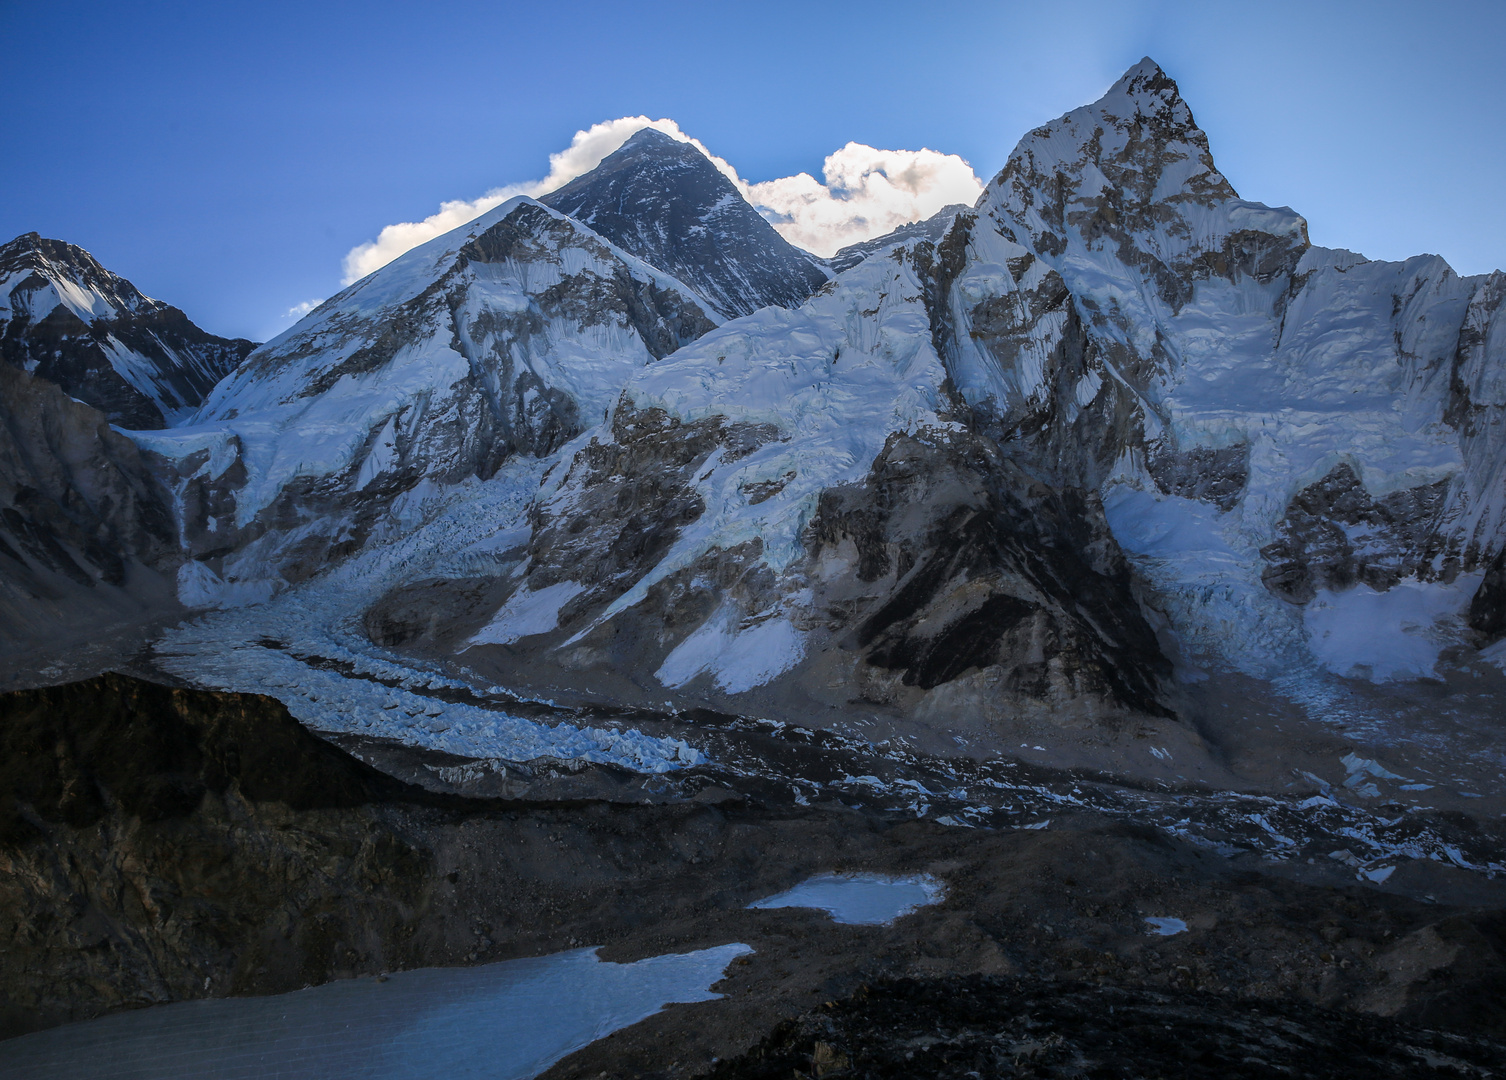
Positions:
{"x": 305, "y": 646}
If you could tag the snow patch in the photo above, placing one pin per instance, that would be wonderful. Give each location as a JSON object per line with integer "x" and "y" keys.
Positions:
{"x": 1391, "y": 635}
{"x": 738, "y": 660}
{"x": 527, "y": 613}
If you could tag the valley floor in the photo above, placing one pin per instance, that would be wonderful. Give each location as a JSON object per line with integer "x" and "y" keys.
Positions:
{"x": 252, "y": 890}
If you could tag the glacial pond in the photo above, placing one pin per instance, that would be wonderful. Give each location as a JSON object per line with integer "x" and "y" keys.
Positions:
{"x": 860, "y": 899}
{"x": 504, "y": 1021}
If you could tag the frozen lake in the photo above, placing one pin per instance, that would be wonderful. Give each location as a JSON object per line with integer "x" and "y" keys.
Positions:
{"x": 860, "y": 899}
{"x": 506, "y": 1021}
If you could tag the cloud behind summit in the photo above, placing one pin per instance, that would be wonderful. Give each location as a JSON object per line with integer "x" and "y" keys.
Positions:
{"x": 864, "y": 192}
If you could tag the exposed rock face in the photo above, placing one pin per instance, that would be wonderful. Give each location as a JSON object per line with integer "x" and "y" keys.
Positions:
{"x": 67, "y": 319}
{"x": 978, "y": 569}
{"x": 506, "y": 337}
{"x": 1217, "y": 475}
{"x": 628, "y": 500}
{"x": 665, "y": 202}
{"x": 81, "y": 514}
{"x": 1334, "y": 535}
{"x": 1487, "y": 611}
{"x": 153, "y": 839}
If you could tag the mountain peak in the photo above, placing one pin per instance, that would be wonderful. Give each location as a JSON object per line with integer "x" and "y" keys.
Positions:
{"x": 666, "y": 202}
{"x": 1150, "y": 92}
{"x": 1134, "y": 165}
{"x": 646, "y": 137}
{"x": 34, "y": 251}
{"x": 25, "y": 242}
{"x": 66, "y": 318}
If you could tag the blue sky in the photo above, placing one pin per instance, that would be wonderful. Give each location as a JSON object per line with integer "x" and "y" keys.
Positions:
{"x": 226, "y": 157}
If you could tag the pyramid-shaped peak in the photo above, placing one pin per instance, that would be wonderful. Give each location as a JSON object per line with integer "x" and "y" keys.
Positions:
{"x": 666, "y": 202}
{"x": 1148, "y": 91}
{"x": 651, "y": 145}
{"x": 1147, "y": 74}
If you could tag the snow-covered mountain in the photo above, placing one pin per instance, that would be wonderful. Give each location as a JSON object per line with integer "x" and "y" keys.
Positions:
{"x": 69, "y": 320}
{"x": 1301, "y": 449}
{"x": 1027, "y": 463}
{"x": 509, "y": 335}
{"x": 928, "y": 487}
{"x": 791, "y": 506}
{"x": 665, "y": 202}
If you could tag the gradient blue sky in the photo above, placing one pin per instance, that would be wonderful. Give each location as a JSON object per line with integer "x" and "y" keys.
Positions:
{"x": 226, "y": 156}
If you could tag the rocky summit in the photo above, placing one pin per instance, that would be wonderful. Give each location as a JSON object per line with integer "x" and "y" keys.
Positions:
{"x": 666, "y": 202}
{"x": 1105, "y": 555}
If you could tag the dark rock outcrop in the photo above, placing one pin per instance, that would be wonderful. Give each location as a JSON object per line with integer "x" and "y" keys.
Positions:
{"x": 154, "y": 842}
{"x": 980, "y": 568}
{"x": 1210, "y": 474}
{"x": 1335, "y": 534}
{"x": 992, "y": 1026}
{"x": 1487, "y": 611}
{"x": 932, "y": 228}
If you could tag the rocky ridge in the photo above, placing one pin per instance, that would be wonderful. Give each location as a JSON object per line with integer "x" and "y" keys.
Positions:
{"x": 932, "y": 228}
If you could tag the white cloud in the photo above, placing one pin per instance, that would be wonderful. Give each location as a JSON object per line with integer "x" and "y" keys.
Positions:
{"x": 867, "y": 193}
{"x": 298, "y": 311}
